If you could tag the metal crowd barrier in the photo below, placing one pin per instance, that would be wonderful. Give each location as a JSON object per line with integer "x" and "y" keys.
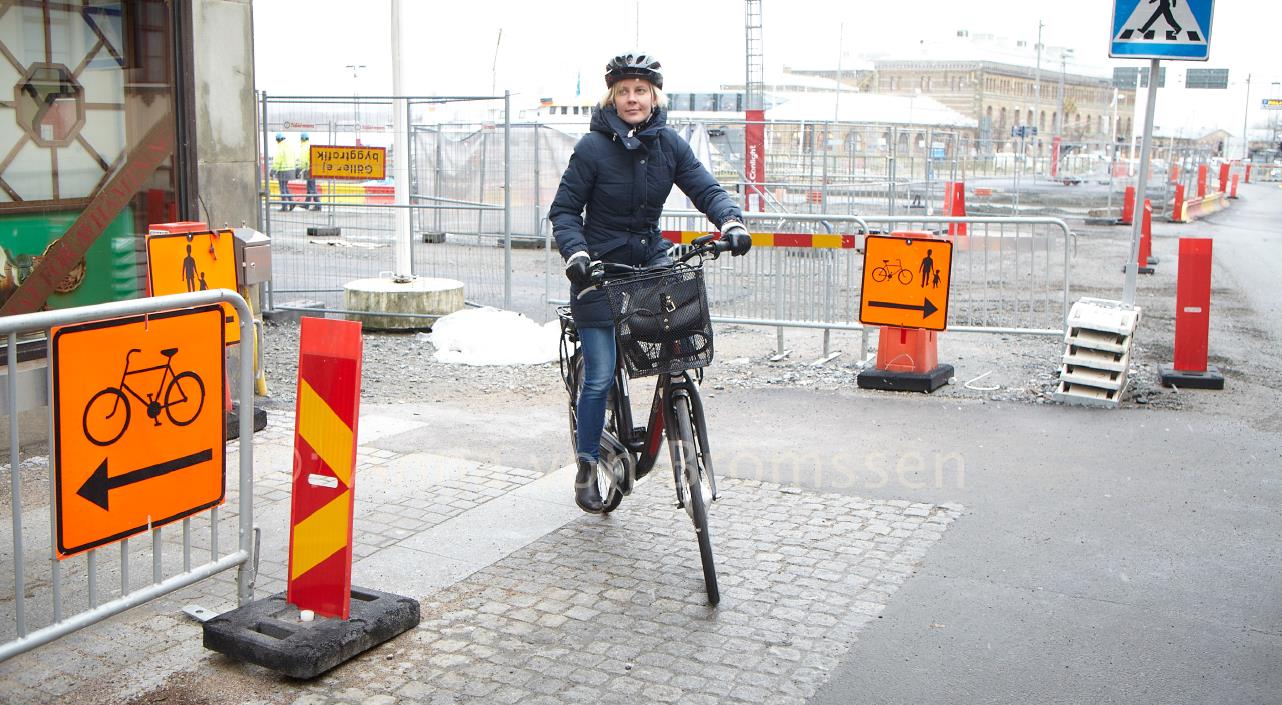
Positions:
{"x": 20, "y": 634}
{"x": 1011, "y": 275}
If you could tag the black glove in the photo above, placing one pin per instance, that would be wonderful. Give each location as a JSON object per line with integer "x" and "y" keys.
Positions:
{"x": 579, "y": 269}
{"x": 737, "y": 237}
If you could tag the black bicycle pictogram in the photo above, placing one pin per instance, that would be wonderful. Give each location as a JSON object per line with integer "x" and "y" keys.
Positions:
{"x": 184, "y": 395}
{"x": 888, "y": 270}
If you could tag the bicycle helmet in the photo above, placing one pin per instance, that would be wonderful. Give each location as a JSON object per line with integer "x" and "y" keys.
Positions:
{"x": 634, "y": 65}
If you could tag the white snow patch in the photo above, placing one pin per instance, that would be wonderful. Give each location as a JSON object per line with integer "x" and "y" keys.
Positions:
{"x": 489, "y": 336}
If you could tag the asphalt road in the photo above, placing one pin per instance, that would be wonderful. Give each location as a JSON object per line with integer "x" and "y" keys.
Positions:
{"x": 1103, "y": 556}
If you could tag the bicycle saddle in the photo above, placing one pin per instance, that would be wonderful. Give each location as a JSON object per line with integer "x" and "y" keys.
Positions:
{"x": 169, "y": 352}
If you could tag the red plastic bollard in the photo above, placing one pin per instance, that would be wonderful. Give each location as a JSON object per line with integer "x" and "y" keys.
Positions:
{"x": 959, "y": 208}
{"x": 1128, "y": 207}
{"x": 948, "y": 198}
{"x": 1192, "y": 320}
{"x": 1193, "y": 304}
{"x": 1175, "y": 174}
{"x": 1224, "y": 177}
{"x": 1233, "y": 187}
{"x": 1247, "y": 178}
{"x": 1177, "y": 207}
{"x": 1201, "y": 180}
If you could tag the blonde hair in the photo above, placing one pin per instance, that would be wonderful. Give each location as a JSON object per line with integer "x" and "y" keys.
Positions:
{"x": 660, "y": 98}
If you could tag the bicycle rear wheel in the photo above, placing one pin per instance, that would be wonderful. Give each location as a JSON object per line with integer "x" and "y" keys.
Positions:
{"x": 686, "y": 455}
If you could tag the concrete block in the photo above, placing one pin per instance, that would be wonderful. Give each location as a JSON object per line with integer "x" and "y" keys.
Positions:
{"x": 382, "y": 296}
{"x": 268, "y": 632}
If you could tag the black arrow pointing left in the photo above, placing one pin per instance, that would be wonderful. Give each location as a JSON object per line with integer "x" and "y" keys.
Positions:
{"x": 99, "y": 484}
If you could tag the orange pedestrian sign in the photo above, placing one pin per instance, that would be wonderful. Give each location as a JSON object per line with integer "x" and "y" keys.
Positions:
{"x": 138, "y": 423}
{"x": 178, "y": 263}
{"x": 905, "y": 282}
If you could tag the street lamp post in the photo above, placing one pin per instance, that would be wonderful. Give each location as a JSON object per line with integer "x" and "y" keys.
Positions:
{"x": 1064, "y": 55}
{"x": 1037, "y": 98}
{"x": 356, "y": 100}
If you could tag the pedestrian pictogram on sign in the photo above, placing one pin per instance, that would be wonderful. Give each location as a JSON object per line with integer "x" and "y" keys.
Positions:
{"x": 178, "y": 263}
{"x": 138, "y": 427}
{"x": 1161, "y": 29}
{"x": 905, "y": 282}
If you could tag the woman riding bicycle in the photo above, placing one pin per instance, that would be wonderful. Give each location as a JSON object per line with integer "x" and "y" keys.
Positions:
{"x": 621, "y": 173}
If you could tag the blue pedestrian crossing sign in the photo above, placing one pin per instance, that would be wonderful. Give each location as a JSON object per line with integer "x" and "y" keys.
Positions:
{"x": 1161, "y": 29}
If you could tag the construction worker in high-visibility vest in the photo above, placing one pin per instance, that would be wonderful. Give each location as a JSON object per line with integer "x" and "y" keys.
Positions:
{"x": 312, "y": 200}
{"x": 284, "y": 166}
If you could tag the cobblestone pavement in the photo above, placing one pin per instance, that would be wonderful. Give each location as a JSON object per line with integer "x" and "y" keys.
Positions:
{"x": 598, "y": 610}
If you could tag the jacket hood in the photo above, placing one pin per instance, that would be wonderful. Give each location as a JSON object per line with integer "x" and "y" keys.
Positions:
{"x": 606, "y": 120}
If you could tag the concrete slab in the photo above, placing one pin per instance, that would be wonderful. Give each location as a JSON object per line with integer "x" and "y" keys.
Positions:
{"x": 497, "y": 528}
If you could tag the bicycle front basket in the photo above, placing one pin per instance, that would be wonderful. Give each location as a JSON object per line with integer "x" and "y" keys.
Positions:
{"x": 661, "y": 321}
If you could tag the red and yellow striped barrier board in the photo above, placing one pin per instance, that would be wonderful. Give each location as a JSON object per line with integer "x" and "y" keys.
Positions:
{"x": 327, "y": 407}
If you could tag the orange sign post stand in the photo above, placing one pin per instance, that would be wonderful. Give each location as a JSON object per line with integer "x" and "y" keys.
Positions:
{"x": 905, "y": 291}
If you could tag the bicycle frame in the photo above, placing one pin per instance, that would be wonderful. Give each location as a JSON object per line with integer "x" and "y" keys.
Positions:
{"x": 124, "y": 386}
{"x": 640, "y": 444}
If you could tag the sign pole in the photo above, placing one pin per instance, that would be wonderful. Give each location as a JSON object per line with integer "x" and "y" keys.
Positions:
{"x": 1141, "y": 188}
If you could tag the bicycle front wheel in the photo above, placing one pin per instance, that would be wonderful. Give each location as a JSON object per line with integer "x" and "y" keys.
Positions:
{"x": 690, "y": 472}
{"x": 184, "y": 397}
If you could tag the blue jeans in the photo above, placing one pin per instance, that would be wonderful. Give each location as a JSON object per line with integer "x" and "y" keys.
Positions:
{"x": 598, "y": 349}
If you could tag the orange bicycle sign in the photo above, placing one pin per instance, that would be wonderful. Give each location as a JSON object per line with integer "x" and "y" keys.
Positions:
{"x": 905, "y": 282}
{"x": 138, "y": 423}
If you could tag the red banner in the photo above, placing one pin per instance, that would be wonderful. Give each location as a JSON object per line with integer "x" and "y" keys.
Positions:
{"x": 754, "y": 159}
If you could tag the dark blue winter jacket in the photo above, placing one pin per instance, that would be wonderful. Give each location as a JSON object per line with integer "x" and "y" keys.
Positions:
{"x": 622, "y": 179}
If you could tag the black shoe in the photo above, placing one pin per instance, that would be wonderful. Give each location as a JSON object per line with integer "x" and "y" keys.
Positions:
{"x": 283, "y": 209}
{"x": 586, "y": 494}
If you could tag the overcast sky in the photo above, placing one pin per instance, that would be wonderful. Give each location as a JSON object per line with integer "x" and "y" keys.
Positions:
{"x": 449, "y": 47}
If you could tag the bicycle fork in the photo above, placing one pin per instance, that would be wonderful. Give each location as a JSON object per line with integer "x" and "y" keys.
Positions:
{"x": 698, "y": 459}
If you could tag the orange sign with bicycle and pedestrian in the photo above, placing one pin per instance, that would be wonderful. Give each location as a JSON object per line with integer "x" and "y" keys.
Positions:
{"x": 138, "y": 423}
{"x": 905, "y": 282}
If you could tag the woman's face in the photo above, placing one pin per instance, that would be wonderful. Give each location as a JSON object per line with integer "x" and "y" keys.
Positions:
{"x": 634, "y": 100}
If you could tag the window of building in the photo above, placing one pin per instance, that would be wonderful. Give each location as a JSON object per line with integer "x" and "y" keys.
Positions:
{"x": 93, "y": 99}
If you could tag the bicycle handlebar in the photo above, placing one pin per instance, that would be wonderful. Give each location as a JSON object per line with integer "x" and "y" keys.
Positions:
{"x": 703, "y": 246}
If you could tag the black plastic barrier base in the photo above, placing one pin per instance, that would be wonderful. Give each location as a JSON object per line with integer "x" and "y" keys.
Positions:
{"x": 905, "y": 381}
{"x": 268, "y": 633}
{"x": 232, "y": 429}
{"x": 1210, "y": 379}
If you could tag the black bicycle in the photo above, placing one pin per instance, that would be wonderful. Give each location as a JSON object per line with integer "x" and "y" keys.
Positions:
{"x": 180, "y": 395}
{"x": 662, "y": 328}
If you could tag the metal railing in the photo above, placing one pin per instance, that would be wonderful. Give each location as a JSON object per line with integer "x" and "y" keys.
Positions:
{"x": 20, "y": 635}
{"x": 1010, "y": 275}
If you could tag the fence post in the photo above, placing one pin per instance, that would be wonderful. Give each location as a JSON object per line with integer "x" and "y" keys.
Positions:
{"x": 507, "y": 199}
{"x": 266, "y": 190}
